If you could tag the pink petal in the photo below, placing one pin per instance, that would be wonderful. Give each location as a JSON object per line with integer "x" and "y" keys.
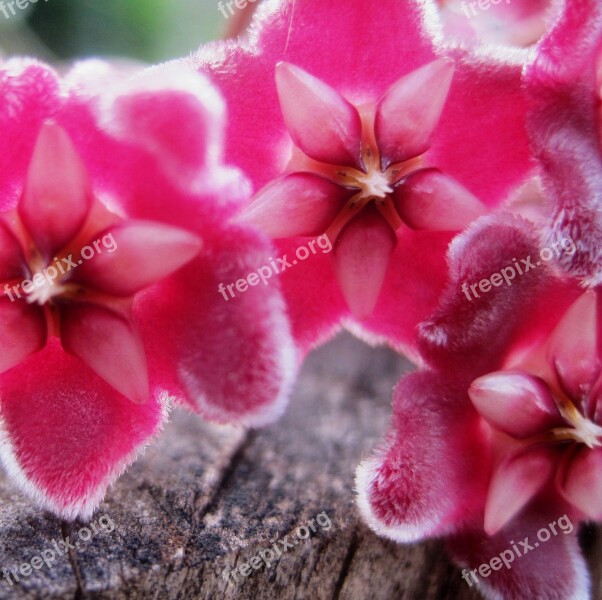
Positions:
{"x": 519, "y": 404}
{"x": 408, "y": 113}
{"x": 22, "y": 330}
{"x": 572, "y": 349}
{"x": 429, "y": 199}
{"x": 580, "y": 482}
{"x": 301, "y": 204}
{"x": 66, "y": 434}
{"x": 136, "y": 254}
{"x": 108, "y": 344}
{"x": 361, "y": 259}
{"x": 321, "y": 122}
{"x": 431, "y": 476}
{"x": 515, "y": 482}
{"x": 57, "y": 194}
{"x": 229, "y": 358}
{"x": 551, "y": 569}
{"x": 150, "y": 110}
{"x": 12, "y": 261}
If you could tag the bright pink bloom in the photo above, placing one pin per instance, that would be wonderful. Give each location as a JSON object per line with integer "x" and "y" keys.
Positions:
{"x": 494, "y": 442}
{"x": 507, "y": 22}
{"x": 360, "y": 128}
{"x": 113, "y": 240}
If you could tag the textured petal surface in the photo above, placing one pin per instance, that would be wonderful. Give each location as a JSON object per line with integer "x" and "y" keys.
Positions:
{"x": 516, "y": 403}
{"x": 430, "y": 478}
{"x": 319, "y": 120}
{"x": 73, "y": 436}
{"x": 581, "y": 484}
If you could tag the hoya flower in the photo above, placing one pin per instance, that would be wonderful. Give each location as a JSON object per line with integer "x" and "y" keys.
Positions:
{"x": 362, "y": 131}
{"x": 507, "y": 22}
{"x": 564, "y": 83}
{"x": 114, "y": 235}
{"x": 494, "y": 442}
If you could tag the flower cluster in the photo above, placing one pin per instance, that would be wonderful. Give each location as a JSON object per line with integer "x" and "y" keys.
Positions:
{"x": 432, "y": 148}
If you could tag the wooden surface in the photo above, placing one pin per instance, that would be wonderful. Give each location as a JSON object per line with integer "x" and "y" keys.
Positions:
{"x": 208, "y": 498}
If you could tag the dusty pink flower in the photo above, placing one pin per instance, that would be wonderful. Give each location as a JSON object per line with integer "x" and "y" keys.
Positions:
{"x": 114, "y": 236}
{"x": 362, "y": 129}
{"x": 492, "y": 443}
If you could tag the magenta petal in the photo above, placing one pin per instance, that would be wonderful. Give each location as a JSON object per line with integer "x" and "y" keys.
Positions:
{"x": 12, "y": 261}
{"x": 428, "y": 199}
{"x": 431, "y": 477}
{"x": 135, "y": 255}
{"x": 408, "y": 113}
{"x": 572, "y": 346}
{"x": 22, "y": 331}
{"x": 57, "y": 194}
{"x": 519, "y": 404}
{"x": 361, "y": 258}
{"x": 581, "y": 483}
{"x": 515, "y": 482}
{"x": 301, "y": 204}
{"x": 65, "y": 434}
{"x": 108, "y": 344}
{"x": 554, "y": 569}
{"x": 321, "y": 122}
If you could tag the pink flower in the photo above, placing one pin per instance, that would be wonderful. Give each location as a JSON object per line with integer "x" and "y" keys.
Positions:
{"x": 494, "y": 441}
{"x": 114, "y": 237}
{"x": 362, "y": 129}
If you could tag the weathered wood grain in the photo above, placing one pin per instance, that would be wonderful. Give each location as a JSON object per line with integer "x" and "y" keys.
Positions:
{"x": 206, "y": 499}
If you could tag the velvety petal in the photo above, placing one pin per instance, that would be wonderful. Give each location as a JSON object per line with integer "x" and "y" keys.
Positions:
{"x": 300, "y": 204}
{"x": 518, "y": 311}
{"x": 554, "y": 569}
{"x": 22, "y": 330}
{"x": 12, "y": 261}
{"x": 361, "y": 260}
{"x": 563, "y": 119}
{"x": 109, "y": 345}
{"x": 136, "y": 254}
{"x": 430, "y": 477}
{"x": 572, "y": 349}
{"x": 150, "y": 108}
{"x": 515, "y": 482}
{"x": 346, "y": 57}
{"x": 321, "y": 122}
{"x": 429, "y": 199}
{"x": 65, "y": 434}
{"x": 29, "y": 92}
{"x": 580, "y": 482}
{"x": 408, "y": 113}
{"x": 57, "y": 194}
{"x": 517, "y": 403}
{"x": 229, "y": 358}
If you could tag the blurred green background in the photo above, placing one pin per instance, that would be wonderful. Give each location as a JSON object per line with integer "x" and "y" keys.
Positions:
{"x": 148, "y": 30}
